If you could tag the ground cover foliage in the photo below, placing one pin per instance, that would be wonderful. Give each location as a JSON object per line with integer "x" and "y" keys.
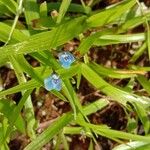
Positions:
{"x": 102, "y": 101}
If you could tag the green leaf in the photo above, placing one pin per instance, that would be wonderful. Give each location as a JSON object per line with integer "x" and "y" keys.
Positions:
{"x": 31, "y": 11}
{"x": 43, "y": 10}
{"x": 111, "y": 14}
{"x": 31, "y": 84}
{"x": 44, "y": 58}
{"x": 115, "y": 93}
{"x": 43, "y": 23}
{"x": 133, "y": 22}
{"x": 25, "y": 100}
{"x": 148, "y": 37}
{"x": 30, "y": 118}
{"x": 59, "y": 95}
{"x": 27, "y": 68}
{"x": 79, "y": 75}
{"x": 7, "y": 107}
{"x": 95, "y": 106}
{"x": 63, "y": 9}
{"x": 47, "y": 40}
{"x": 138, "y": 53}
{"x": 102, "y": 38}
{"x": 4, "y": 9}
{"x": 10, "y": 4}
{"x": 69, "y": 93}
{"x": 132, "y": 125}
{"x": 72, "y": 8}
{"x": 58, "y": 141}
{"x": 67, "y": 73}
{"x": 16, "y": 37}
{"x": 116, "y": 39}
{"x": 55, "y": 127}
{"x": 3, "y": 128}
{"x": 89, "y": 41}
{"x": 114, "y": 134}
{"x": 65, "y": 143}
{"x": 3, "y": 61}
{"x": 142, "y": 114}
{"x": 49, "y": 133}
{"x": 15, "y": 113}
{"x": 136, "y": 145}
{"x": 91, "y": 147}
{"x": 27, "y": 85}
{"x": 144, "y": 82}
{"x": 114, "y": 73}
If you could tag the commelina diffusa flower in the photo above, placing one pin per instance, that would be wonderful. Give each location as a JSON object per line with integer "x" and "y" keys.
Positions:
{"x": 53, "y": 82}
{"x": 66, "y": 59}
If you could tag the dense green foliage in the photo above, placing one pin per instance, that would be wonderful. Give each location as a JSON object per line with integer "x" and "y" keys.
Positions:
{"x": 41, "y": 35}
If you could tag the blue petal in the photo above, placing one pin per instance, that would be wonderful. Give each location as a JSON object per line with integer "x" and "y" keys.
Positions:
{"x": 58, "y": 86}
{"x": 57, "y": 83}
{"x": 66, "y": 59}
{"x": 48, "y": 84}
{"x": 66, "y": 64}
{"x": 53, "y": 83}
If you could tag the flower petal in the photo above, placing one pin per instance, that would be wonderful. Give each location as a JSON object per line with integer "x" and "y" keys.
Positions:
{"x": 48, "y": 84}
{"x": 66, "y": 59}
{"x": 53, "y": 83}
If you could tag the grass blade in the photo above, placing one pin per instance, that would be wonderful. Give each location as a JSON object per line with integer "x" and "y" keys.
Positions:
{"x": 31, "y": 11}
{"x": 46, "y": 40}
{"x": 115, "y": 93}
{"x": 142, "y": 114}
{"x": 49, "y": 133}
{"x": 7, "y": 107}
{"x": 144, "y": 82}
{"x": 110, "y": 14}
{"x": 138, "y": 53}
{"x": 115, "y": 73}
{"x": 63, "y": 9}
{"x": 72, "y": 8}
{"x": 16, "y": 37}
{"x": 10, "y": 4}
{"x": 116, "y": 39}
{"x": 136, "y": 145}
{"x": 52, "y": 130}
{"x": 89, "y": 41}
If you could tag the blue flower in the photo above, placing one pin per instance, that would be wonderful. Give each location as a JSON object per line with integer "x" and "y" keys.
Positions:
{"x": 66, "y": 59}
{"x": 53, "y": 82}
